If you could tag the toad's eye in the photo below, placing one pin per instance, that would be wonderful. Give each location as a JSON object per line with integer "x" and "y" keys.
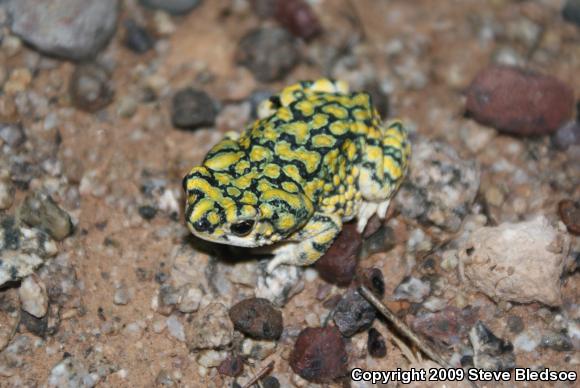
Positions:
{"x": 202, "y": 225}
{"x": 242, "y": 228}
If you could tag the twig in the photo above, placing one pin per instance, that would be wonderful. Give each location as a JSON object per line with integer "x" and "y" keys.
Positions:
{"x": 260, "y": 374}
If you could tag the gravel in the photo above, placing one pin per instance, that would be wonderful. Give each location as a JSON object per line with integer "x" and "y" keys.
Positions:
{"x": 353, "y": 314}
{"x": 257, "y": 318}
{"x": 39, "y": 210}
{"x": 338, "y": 264}
{"x": 490, "y": 352}
{"x": 192, "y": 108}
{"x": 176, "y": 7}
{"x": 90, "y": 87}
{"x": 210, "y": 328}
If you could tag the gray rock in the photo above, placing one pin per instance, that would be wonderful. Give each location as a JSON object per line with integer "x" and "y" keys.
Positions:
{"x": 192, "y": 108}
{"x": 90, "y": 87}
{"x": 39, "y": 210}
{"x": 353, "y": 314}
{"x": 211, "y": 328}
{"x": 281, "y": 284}
{"x": 175, "y": 7}
{"x": 71, "y": 373}
{"x": 72, "y": 29}
{"x": 571, "y": 11}
{"x": 489, "y": 351}
{"x": 412, "y": 289}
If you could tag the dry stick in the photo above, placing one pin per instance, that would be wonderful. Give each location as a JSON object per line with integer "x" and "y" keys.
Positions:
{"x": 402, "y": 327}
{"x": 260, "y": 374}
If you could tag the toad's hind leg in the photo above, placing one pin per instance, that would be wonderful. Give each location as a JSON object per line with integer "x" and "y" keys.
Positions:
{"x": 382, "y": 170}
{"x": 309, "y": 243}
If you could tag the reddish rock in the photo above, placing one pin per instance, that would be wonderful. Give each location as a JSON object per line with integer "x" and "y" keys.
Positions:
{"x": 319, "y": 355}
{"x": 258, "y": 318}
{"x": 570, "y": 215}
{"x": 448, "y": 326}
{"x": 519, "y": 101}
{"x": 232, "y": 366}
{"x": 338, "y": 265}
{"x": 297, "y": 17}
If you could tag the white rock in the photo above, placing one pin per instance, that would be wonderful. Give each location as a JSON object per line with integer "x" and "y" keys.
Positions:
{"x": 211, "y": 358}
{"x": 33, "y": 296}
{"x": 190, "y": 300}
{"x": 520, "y": 262}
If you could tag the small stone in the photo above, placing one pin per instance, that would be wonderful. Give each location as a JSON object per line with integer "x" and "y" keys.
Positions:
{"x": 9, "y": 315}
{"x": 570, "y": 215}
{"x": 448, "y": 326}
{"x": 176, "y": 7}
{"x": 192, "y": 108}
{"x": 12, "y": 134}
{"x": 122, "y": 295}
{"x": 18, "y": 81}
{"x": 319, "y": 355}
{"x": 353, "y": 314}
{"x": 7, "y": 190}
{"x": 209, "y": 358}
{"x": 270, "y": 382}
{"x": 210, "y": 328}
{"x": 147, "y": 212}
{"x": 519, "y": 262}
{"x": 382, "y": 240}
{"x": 37, "y": 326}
{"x": 489, "y": 352}
{"x": 257, "y": 318}
{"x": 190, "y": 300}
{"x": 71, "y": 29}
{"x": 232, "y": 366}
{"x": 373, "y": 279}
{"x": 127, "y": 107}
{"x": 39, "y": 210}
{"x": 338, "y": 264}
{"x": 515, "y": 324}
{"x": 571, "y": 11}
{"x": 412, "y": 289}
{"x": 257, "y": 349}
{"x": 567, "y": 135}
{"x": 90, "y": 87}
{"x": 269, "y": 53}
{"x": 71, "y": 372}
{"x": 298, "y": 17}
{"x": 137, "y": 38}
{"x": 33, "y": 296}
{"x": 519, "y": 101}
{"x": 557, "y": 341}
{"x": 279, "y": 285}
{"x": 175, "y": 328}
{"x": 376, "y": 344}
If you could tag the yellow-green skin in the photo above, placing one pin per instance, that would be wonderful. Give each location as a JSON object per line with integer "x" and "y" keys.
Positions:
{"x": 316, "y": 157}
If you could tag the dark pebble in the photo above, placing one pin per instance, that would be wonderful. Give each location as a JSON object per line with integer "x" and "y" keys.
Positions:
{"x": 571, "y": 11}
{"x": 39, "y": 209}
{"x": 298, "y": 17}
{"x": 490, "y": 352}
{"x": 373, "y": 279}
{"x": 570, "y": 214}
{"x": 90, "y": 87}
{"x": 264, "y": 8}
{"x": 376, "y": 344}
{"x": 258, "y": 318}
{"x": 353, "y": 314}
{"x": 37, "y": 326}
{"x": 567, "y": 135}
{"x": 557, "y": 341}
{"x": 232, "y": 366}
{"x": 137, "y": 38}
{"x": 192, "y": 109}
{"x": 515, "y": 324}
{"x": 175, "y": 7}
{"x": 147, "y": 212}
{"x": 448, "y": 326}
{"x": 519, "y": 101}
{"x": 338, "y": 264}
{"x": 270, "y": 382}
{"x": 269, "y": 53}
{"x": 12, "y": 134}
{"x": 319, "y": 355}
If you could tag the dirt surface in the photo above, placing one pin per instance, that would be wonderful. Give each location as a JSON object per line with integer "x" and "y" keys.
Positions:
{"x": 95, "y": 165}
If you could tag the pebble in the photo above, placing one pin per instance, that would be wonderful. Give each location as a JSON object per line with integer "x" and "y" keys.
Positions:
{"x": 440, "y": 189}
{"x": 33, "y": 296}
{"x": 515, "y": 324}
{"x": 22, "y": 249}
{"x": 147, "y": 212}
{"x": 258, "y": 318}
{"x": 190, "y": 300}
{"x": 210, "y": 328}
{"x": 7, "y": 190}
{"x": 571, "y": 11}
{"x": 448, "y": 326}
{"x": 490, "y": 352}
{"x": 175, "y": 328}
{"x": 72, "y": 29}
{"x": 90, "y": 87}
{"x": 376, "y": 344}
{"x": 18, "y": 81}
{"x": 373, "y": 279}
{"x": 338, "y": 264}
{"x": 127, "y": 107}
{"x": 122, "y": 295}
{"x": 519, "y": 262}
{"x": 281, "y": 284}
{"x": 210, "y": 358}
{"x": 71, "y": 373}
{"x": 413, "y": 290}
{"x": 137, "y": 38}
{"x": 257, "y": 349}
{"x": 271, "y": 382}
{"x": 353, "y": 314}
{"x": 176, "y": 7}
{"x": 383, "y": 240}
{"x": 567, "y": 135}
{"x": 12, "y": 134}
{"x": 39, "y": 210}
{"x": 9, "y": 315}
{"x": 298, "y": 17}
{"x": 557, "y": 341}
{"x": 319, "y": 355}
{"x": 232, "y": 366}
{"x": 192, "y": 108}
{"x": 519, "y": 101}
{"x": 269, "y": 53}
{"x": 570, "y": 214}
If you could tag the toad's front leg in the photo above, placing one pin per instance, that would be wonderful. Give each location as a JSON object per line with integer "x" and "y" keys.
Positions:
{"x": 308, "y": 244}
